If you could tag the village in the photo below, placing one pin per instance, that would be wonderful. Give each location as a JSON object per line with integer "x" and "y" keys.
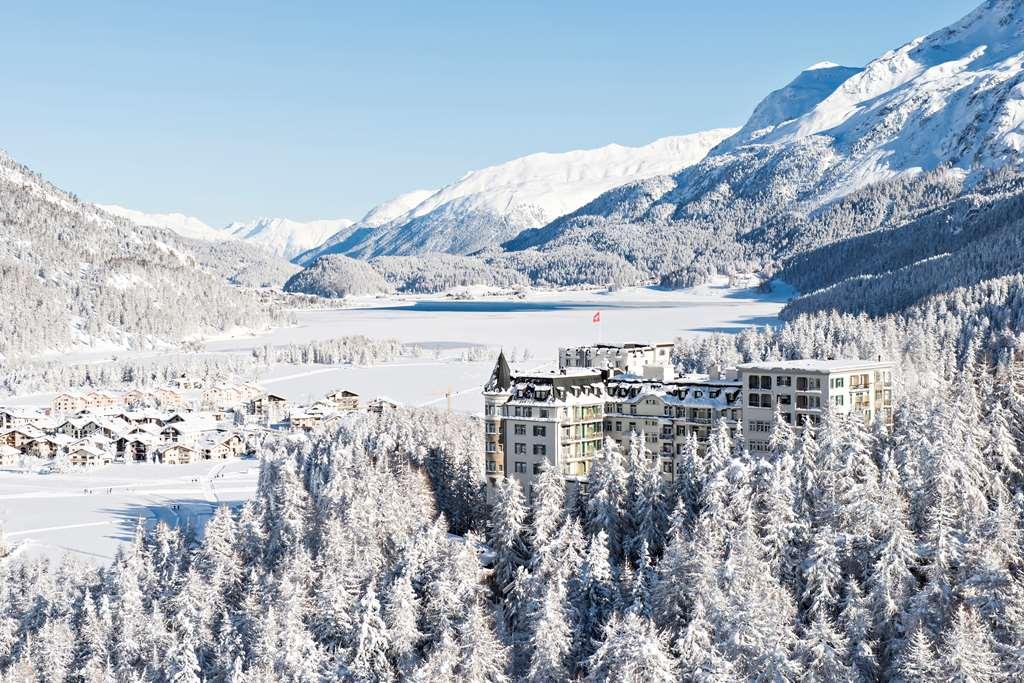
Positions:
{"x": 180, "y": 423}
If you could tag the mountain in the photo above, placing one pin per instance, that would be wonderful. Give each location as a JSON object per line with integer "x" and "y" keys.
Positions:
{"x": 286, "y": 238}
{"x": 186, "y": 226}
{"x": 488, "y": 206}
{"x": 379, "y": 215}
{"x": 73, "y": 276}
{"x": 953, "y": 99}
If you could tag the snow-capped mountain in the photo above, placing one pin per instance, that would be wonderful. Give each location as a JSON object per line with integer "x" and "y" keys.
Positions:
{"x": 487, "y": 206}
{"x": 286, "y": 238}
{"x": 953, "y": 98}
{"x": 186, "y": 226}
{"x": 379, "y": 215}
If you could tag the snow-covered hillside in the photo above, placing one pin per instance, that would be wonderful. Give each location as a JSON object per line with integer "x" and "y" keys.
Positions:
{"x": 488, "y": 206}
{"x": 286, "y": 238}
{"x": 379, "y": 215}
{"x": 186, "y": 226}
{"x": 73, "y": 275}
{"x": 953, "y": 98}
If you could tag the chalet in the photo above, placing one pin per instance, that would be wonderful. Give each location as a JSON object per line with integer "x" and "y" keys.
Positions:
{"x": 18, "y": 437}
{"x": 137, "y": 417}
{"x": 67, "y": 403}
{"x": 220, "y": 446}
{"x": 88, "y": 455}
{"x": 221, "y": 396}
{"x": 342, "y": 399}
{"x": 9, "y": 456}
{"x": 189, "y": 430}
{"x": 176, "y": 454}
{"x": 102, "y": 399}
{"x": 270, "y": 407}
{"x": 168, "y": 397}
{"x": 48, "y": 445}
{"x": 141, "y": 447}
{"x": 138, "y": 397}
{"x": 305, "y": 420}
{"x": 18, "y": 417}
{"x": 382, "y": 404}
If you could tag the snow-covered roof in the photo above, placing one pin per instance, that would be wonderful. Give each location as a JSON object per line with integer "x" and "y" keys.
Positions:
{"x": 814, "y": 365}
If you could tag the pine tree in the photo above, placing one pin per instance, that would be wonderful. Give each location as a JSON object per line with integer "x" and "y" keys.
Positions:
{"x": 606, "y": 494}
{"x": 822, "y": 652}
{"x": 597, "y": 596}
{"x": 482, "y": 656}
{"x": 551, "y": 639}
{"x": 548, "y": 508}
{"x": 507, "y": 533}
{"x": 918, "y": 662}
{"x": 633, "y": 651}
{"x": 967, "y": 652}
{"x": 401, "y": 615}
{"x": 369, "y": 657}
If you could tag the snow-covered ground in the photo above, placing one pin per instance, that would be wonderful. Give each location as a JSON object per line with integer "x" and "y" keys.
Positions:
{"x": 90, "y": 513}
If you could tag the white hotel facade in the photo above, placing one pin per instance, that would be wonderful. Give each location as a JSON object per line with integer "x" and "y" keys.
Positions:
{"x": 562, "y": 417}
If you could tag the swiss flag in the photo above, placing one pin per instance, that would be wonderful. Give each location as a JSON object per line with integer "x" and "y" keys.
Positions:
{"x": 597, "y": 317}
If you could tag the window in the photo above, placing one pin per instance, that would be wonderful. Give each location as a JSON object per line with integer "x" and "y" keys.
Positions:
{"x": 540, "y": 431}
{"x": 785, "y": 399}
{"x": 837, "y": 400}
{"x": 837, "y": 383}
{"x": 760, "y": 426}
{"x": 543, "y": 412}
{"x": 520, "y": 430}
{"x": 783, "y": 381}
{"x": 766, "y": 400}
{"x": 754, "y": 400}
{"x": 519, "y": 448}
{"x": 491, "y": 466}
{"x": 618, "y": 426}
{"x": 536, "y": 469}
{"x": 801, "y": 384}
{"x": 666, "y": 467}
{"x": 808, "y": 402}
{"x": 527, "y": 412}
{"x": 766, "y": 382}
{"x": 520, "y": 468}
{"x": 754, "y": 382}
{"x": 489, "y": 410}
{"x": 491, "y": 447}
{"x": 540, "y": 449}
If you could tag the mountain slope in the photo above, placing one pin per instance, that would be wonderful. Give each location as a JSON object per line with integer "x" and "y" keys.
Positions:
{"x": 379, "y": 215}
{"x": 286, "y": 238}
{"x": 186, "y": 226}
{"x": 954, "y": 98}
{"x": 72, "y": 275}
{"x": 490, "y": 205}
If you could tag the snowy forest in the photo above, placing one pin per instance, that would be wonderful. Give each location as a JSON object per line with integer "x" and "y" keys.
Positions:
{"x": 853, "y": 552}
{"x": 38, "y": 376}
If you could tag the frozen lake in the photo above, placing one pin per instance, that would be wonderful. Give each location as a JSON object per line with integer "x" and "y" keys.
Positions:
{"x": 540, "y": 324}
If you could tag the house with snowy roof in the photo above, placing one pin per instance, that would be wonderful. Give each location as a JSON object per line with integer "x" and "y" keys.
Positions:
{"x": 9, "y": 456}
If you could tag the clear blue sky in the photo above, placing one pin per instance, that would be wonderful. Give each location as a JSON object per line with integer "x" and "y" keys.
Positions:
{"x": 320, "y": 110}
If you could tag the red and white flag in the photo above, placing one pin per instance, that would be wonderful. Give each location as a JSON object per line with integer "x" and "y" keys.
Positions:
{"x": 597, "y": 317}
